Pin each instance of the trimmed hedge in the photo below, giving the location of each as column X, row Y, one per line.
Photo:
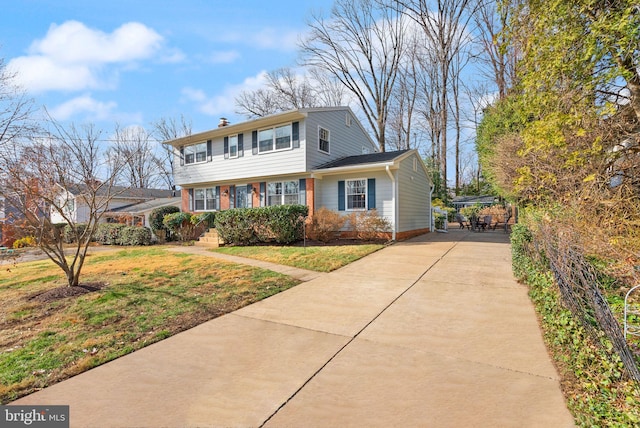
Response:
column 109, row 233
column 282, row 224
column 156, row 221
column 135, row 235
column 69, row 235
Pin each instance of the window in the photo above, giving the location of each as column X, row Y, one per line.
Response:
column 70, row 205
column 206, row 199
column 195, row 153
column 283, row 193
column 233, row 146
column 323, row 140
column 278, row 138
column 356, row 192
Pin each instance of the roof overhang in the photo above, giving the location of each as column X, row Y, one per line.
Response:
column 392, row 164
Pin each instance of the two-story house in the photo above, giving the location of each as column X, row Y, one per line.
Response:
column 320, row 157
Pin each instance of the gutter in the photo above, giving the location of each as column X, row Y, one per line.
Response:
column 393, row 199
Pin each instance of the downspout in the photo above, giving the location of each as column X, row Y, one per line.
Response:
column 394, row 202
column 431, row 222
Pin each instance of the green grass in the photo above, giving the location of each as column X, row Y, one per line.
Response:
column 149, row 294
column 319, row 259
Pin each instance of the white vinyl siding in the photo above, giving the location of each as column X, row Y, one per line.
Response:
column 413, row 197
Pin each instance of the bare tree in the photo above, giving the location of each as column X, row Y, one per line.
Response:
column 47, row 177
column 445, row 28
column 15, row 108
column 497, row 54
column 360, row 44
column 286, row 90
column 134, row 149
column 405, row 98
column 165, row 129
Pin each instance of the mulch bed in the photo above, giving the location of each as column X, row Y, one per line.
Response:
column 66, row 291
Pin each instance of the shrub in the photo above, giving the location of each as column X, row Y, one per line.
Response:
column 70, row 234
column 325, row 224
column 109, row 233
column 208, row 218
column 135, row 235
column 179, row 225
column 368, row 225
column 27, row 241
column 156, row 221
column 245, row 226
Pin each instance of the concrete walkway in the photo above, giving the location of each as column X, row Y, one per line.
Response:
column 431, row 332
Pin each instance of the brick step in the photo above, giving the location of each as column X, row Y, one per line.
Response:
column 209, row 239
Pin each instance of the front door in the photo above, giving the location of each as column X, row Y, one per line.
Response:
column 242, row 197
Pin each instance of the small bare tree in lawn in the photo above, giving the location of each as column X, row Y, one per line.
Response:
column 45, row 175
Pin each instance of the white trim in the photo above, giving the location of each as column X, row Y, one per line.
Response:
column 346, row 194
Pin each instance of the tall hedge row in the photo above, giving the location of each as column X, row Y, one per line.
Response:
column 282, row 224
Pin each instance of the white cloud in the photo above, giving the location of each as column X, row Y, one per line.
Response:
column 93, row 110
column 72, row 56
column 222, row 104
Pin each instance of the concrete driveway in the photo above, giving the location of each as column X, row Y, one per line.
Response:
column 431, row 332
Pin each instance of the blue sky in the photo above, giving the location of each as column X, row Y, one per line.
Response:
column 133, row 62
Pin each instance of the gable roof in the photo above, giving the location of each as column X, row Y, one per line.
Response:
column 371, row 158
column 263, row 122
column 123, row 192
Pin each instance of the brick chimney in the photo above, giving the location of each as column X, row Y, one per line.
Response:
column 223, row 122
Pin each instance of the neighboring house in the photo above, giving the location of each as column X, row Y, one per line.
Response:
column 468, row 201
column 138, row 214
column 319, row 157
column 77, row 207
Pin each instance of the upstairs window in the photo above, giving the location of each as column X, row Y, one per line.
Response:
column 278, row 138
column 323, row 140
column 233, row 146
column 195, row 153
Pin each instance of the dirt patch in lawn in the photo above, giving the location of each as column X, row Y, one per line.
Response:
column 66, row 291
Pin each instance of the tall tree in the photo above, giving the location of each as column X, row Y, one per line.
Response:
column 134, row 150
column 15, row 108
column 42, row 173
column 444, row 23
column 163, row 130
column 360, row 44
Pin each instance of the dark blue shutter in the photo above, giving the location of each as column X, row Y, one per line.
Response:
column 263, row 196
column 341, row 193
column 182, row 156
column 232, row 196
column 254, row 142
column 295, row 134
column 226, row 147
column 208, row 150
column 217, row 198
column 302, row 189
column 371, row 194
column 191, row 202
column 240, row 145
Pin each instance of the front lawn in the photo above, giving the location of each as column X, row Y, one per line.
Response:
column 316, row 258
column 141, row 296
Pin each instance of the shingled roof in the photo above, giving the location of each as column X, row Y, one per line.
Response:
column 363, row 159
